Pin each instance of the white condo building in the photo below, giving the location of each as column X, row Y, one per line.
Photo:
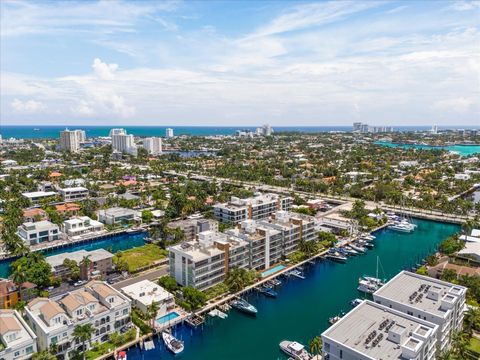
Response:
column 205, row 262
column 261, row 206
column 37, row 232
column 124, row 143
column 372, row 331
column 426, row 298
column 153, row 145
column 18, row 340
column 81, row 225
column 69, row 140
column 169, row 133
column 73, row 193
column 97, row 303
column 117, row 132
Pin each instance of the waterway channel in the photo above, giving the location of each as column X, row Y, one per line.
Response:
column 303, row 307
column 111, row 243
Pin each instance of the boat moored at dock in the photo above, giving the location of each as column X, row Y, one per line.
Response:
column 173, row 344
column 244, row 306
column 295, row 350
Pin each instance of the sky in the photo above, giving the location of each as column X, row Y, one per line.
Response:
column 228, row 63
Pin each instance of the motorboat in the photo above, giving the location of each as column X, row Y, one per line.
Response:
column 358, row 248
column 172, row 343
column 244, row 306
column 356, row 302
column 334, row 319
column 350, row 251
column 294, row 349
column 122, row 355
column 368, row 237
column 367, row 287
column 267, row 291
column 373, row 280
column 403, row 226
column 335, row 256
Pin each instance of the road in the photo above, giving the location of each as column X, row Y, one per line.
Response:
column 150, row 275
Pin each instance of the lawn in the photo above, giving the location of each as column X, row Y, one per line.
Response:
column 474, row 345
column 134, row 259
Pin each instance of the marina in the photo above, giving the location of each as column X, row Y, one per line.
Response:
column 307, row 302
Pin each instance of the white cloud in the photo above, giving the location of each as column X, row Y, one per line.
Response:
column 27, row 106
column 466, row 5
column 459, row 105
column 103, row 70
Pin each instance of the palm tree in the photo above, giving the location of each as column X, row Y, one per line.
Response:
column 316, row 345
column 85, row 267
column 152, row 311
column 83, row 333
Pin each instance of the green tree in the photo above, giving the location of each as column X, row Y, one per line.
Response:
column 32, row 268
column 83, row 333
column 315, row 345
column 168, row 283
column 449, row 275
column 193, row 297
column 147, row 216
column 238, row 278
column 152, row 311
column 43, row 355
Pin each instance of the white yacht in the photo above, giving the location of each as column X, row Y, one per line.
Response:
column 295, row 350
column 172, row 343
column 403, row 226
column 367, row 286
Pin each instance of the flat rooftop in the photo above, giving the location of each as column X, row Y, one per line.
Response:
column 77, row 256
column 403, row 286
column 361, row 322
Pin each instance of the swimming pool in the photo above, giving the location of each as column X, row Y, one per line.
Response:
column 272, row 270
column 167, row 318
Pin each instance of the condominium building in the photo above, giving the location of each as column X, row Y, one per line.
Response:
column 36, row 196
column 118, row 215
column 37, row 232
column 117, row 132
column 18, row 341
column 73, row 193
column 265, row 244
column 426, row 298
column 69, row 140
column 97, row 303
column 168, row 132
column 146, row 292
column 192, row 227
column 373, row 331
column 153, row 145
column 294, row 228
column 101, row 262
column 81, row 225
column 205, row 262
column 124, row 143
column 260, row 206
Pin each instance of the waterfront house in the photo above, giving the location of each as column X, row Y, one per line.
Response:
column 36, row 196
column 191, row 227
column 11, row 293
column 73, row 193
column 81, row 225
column 97, row 303
column 205, row 262
column 426, row 298
column 101, row 262
column 373, row 331
column 261, row 206
column 68, row 209
column 146, row 292
column 118, row 215
column 18, row 341
column 37, row 232
column 34, row 214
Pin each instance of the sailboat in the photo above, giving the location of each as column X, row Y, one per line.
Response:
column 370, row 284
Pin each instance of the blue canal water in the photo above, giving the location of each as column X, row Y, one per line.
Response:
column 42, row 131
column 462, row 150
column 303, row 307
column 112, row 244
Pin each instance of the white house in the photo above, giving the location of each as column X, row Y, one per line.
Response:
column 38, row 232
column 19, row 341
column 81, row 225
column 74, row 193
column 146, row 292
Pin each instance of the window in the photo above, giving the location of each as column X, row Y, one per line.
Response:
column 54, row 340
column 29, row 350
column 125, row 311
column 17, row 354
column 341, row 354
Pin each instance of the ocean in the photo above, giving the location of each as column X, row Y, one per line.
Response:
column 45, row 132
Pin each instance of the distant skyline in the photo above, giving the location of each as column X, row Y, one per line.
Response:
column 234, row 63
